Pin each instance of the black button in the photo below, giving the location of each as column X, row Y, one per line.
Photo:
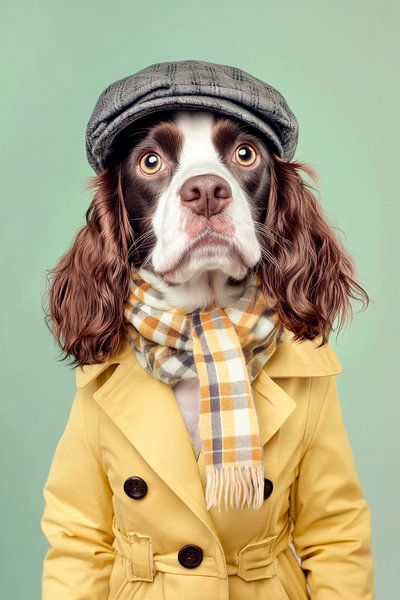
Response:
column 190, row 556
column 135, row 487
column 268, row 487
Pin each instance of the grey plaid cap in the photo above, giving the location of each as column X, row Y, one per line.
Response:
column 192, row 84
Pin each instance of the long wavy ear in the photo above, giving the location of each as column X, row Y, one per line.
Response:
column 90, row 282
column 304, row 265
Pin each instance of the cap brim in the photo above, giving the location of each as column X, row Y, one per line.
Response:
column 99, row 155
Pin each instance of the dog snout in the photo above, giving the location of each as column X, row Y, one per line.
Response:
column 206, row 194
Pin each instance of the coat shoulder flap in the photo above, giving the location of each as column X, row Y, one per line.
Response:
column 87, row 373
column 303, row 359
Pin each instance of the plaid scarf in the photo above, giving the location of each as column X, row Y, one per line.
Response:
column 225, row 348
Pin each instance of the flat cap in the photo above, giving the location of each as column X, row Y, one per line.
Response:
column 195, row 84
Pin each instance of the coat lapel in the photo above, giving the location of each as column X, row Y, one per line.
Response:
column 146, row 411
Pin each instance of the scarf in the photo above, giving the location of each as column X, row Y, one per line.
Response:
column 225, row 348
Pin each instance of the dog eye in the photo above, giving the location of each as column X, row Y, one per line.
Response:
column 150, row 163
column 245, row 155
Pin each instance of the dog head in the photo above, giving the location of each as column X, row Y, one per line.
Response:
column 200, row 200
column 194, row 188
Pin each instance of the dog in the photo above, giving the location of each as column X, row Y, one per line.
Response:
column 200, row 200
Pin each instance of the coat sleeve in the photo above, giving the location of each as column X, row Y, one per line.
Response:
column 77, row 517
column 332, row 522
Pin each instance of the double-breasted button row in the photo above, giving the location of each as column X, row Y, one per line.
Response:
column 135, row 487
column 190, row 555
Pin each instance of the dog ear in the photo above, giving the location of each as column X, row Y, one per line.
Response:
column 91, row 281
column 308, row 271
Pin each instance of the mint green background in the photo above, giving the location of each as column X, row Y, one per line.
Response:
column 337, row 65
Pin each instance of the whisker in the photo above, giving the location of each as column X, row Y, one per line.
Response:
column 143, row 236
column 145, row 245
column 139, row 242
column 270, row 257
column 146, row 261
column 271, row 233
column 270, row 236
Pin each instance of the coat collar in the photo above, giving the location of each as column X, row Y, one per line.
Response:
column 144, row 409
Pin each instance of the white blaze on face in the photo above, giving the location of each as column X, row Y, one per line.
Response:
column 174, row 223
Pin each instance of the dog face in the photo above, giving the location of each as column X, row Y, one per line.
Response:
column 194, row 187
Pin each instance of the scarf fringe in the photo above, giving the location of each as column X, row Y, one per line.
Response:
column 246, row 481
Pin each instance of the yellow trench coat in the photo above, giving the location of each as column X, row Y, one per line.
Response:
column 106, row 544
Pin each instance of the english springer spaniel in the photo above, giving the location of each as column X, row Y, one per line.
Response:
column 200, row 200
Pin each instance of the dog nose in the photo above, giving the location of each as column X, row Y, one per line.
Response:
column 206, row 194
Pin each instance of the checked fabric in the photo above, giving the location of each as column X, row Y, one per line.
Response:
column 225, row 348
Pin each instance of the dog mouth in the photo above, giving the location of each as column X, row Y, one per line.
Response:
column 207, row 245
column 209, row 239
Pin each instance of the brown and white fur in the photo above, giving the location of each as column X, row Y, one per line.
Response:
column 200, row 225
